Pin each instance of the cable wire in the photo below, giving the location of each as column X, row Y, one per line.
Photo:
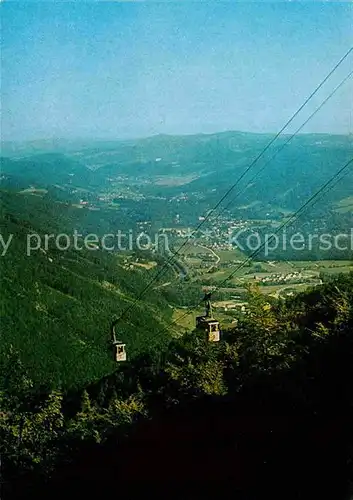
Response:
column 295, row 216
column 161, row 272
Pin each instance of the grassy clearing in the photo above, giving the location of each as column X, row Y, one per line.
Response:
column 345, row 205
column 322, row 264
column 145, row 265
column 191, row 249
column 193, row 261
column 278, row 267
column 185, row 318
column 33, row 191
column 274, row 289
column 230, row 255
column 338, row 270
column 175, row 181
column 237, row 283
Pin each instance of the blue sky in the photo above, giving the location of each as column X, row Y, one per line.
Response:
column 110, row 69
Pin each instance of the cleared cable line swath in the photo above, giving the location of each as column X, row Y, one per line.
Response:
column 328, row 186
column 163, row 270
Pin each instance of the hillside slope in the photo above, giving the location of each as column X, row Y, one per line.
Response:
column 56, row 306
column 266, row 412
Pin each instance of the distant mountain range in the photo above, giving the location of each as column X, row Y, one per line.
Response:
column 208, row 163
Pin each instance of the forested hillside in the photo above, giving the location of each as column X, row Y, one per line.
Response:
column 57, row 306
column 265, row 411
column 167, row 166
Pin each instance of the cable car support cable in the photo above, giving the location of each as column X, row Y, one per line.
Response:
column 165, row 267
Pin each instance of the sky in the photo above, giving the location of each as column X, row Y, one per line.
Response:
column 116, row 70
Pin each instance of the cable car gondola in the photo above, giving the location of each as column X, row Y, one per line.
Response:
column 207, row 323
column 118, row 346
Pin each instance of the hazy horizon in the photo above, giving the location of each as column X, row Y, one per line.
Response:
column 142, row 137
column 118, row 71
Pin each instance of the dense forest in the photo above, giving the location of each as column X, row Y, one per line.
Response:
column 267, row 411
column 56, row 306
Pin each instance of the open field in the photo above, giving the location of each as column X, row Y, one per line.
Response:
column 345, row 205
column 185, row 318
column 278, row 266
column 326, row 266
column 191, row 249
column 170, row 181
column 193, row 261
column 33, row 190
column 321, row 263
column 338, row 270
column 310, row 270
column 145, row 265
column 276, row 289
column 230, row 255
